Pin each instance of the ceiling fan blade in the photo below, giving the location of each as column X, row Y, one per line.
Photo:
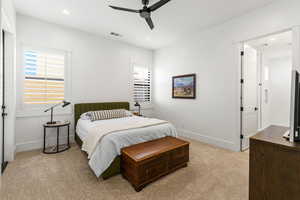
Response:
column 125, row 9
column 150, row 22
column 158, row 5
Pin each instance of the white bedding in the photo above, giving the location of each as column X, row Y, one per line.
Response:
column 110, row 145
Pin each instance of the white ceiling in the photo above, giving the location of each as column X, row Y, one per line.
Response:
column 174, row 20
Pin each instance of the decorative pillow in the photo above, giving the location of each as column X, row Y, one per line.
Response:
column 108, row 114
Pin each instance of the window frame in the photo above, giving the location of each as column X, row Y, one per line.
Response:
column 27, row 110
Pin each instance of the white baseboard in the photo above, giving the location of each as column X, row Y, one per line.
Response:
column 209, row 140
column 10, row 153
column 33, row 145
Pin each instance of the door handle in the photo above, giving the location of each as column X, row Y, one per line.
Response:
column 256, row 109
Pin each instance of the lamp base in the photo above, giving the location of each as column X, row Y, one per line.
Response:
column 54, row 122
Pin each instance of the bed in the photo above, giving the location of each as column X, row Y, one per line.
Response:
column 105, row 161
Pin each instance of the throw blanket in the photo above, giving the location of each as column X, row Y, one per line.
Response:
column 98, row 132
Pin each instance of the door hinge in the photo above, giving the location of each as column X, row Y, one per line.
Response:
column 242, row 136
column 242, row 109
column 4, row 114
column 242, row 81
column 242, row 53
column 3, row 107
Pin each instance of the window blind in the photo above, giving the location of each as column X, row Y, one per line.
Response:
column 44, row 77
column 142, row 84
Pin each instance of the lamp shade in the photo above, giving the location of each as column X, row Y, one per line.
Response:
column 65, row 103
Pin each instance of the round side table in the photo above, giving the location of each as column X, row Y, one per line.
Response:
column 58, row 148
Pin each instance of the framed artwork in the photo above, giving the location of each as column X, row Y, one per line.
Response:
column 184, row 86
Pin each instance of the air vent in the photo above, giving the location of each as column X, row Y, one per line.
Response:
column 115, row 34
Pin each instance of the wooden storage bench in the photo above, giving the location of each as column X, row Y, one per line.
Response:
column 144, row 163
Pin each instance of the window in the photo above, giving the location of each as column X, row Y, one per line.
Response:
column 44, row 81
column 142, row 84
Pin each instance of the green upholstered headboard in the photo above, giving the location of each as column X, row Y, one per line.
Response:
column 85, row 107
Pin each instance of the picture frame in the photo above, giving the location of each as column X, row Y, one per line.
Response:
column 184, row 86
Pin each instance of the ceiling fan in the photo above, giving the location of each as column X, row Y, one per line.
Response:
column 145, row 12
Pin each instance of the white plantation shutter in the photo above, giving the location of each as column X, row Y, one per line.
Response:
column 142, row 84
column 44, row 81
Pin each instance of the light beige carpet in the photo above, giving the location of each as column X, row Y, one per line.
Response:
column 212, row 174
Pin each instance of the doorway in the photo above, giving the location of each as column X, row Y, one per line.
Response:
column 265, row 84
column 7, row 99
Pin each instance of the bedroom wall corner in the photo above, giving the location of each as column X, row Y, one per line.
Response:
column 101, row 71
column 212, row 54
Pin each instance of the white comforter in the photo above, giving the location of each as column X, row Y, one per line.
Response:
column 110, row 145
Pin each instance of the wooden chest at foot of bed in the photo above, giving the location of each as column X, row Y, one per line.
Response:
column 144, row 163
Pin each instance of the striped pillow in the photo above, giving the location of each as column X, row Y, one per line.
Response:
column 107, row 114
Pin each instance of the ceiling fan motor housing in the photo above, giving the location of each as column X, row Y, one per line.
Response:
column 145, row 14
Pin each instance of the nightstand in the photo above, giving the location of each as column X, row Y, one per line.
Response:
column 58, row 148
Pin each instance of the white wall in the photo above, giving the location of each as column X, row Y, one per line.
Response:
column 212, row 54
column 9, row 12
column 101, row 70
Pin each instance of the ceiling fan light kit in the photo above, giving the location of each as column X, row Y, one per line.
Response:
column 146, row 11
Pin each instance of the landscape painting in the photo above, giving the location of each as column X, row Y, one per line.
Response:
column 184, row 86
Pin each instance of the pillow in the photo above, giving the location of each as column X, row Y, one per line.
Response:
column 108, row 114
column 85, row 116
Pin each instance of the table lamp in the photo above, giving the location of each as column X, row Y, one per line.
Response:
column 63, row 104
column 138, row 105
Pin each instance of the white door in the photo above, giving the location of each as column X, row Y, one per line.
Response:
column 249, row 96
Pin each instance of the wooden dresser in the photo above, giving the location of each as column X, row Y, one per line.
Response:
column 274, row 166
column 144, row 163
